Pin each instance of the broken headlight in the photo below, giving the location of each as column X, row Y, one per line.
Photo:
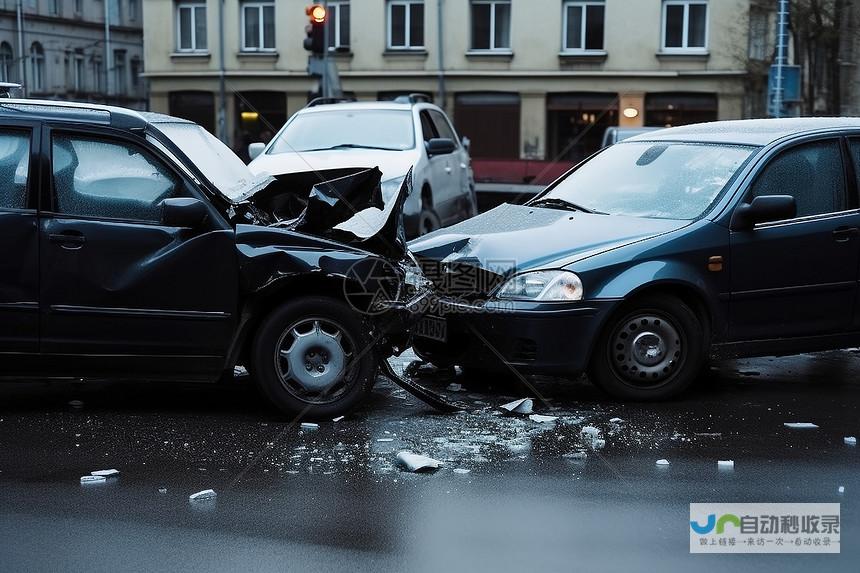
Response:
column 542, row 286
column 390, row 188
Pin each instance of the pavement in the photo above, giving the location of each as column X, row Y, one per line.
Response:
column 333, row 499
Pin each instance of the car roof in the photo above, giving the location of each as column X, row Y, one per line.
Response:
column 49, row 110
column 364, row 105
column 758, row 132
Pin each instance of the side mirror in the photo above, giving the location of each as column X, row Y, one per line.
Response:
column 183, row 212
column 763, row 209
column 440, row 146
column 255, row 150
column 467, row 143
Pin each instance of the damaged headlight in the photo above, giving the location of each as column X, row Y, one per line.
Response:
column 390, row 188
column 542, row 286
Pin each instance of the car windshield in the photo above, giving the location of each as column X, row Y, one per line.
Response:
column 390, row 130
column 648, row 179
column 215, row 160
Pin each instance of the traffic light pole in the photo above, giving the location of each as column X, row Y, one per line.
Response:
column 325, row 87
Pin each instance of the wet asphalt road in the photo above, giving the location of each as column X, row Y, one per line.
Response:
column 332, row 499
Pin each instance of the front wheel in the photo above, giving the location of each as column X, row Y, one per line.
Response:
column 313, row 358
column 652, row 349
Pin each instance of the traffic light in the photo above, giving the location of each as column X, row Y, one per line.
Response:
column 315, row 40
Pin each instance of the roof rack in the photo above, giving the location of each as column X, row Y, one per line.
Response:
column 414, row 98
column 329, row 100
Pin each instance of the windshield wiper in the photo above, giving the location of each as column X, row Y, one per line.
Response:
column 353, row 146
column 555, row 203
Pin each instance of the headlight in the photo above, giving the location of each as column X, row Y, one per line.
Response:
column 542, row 286
column 390, row 188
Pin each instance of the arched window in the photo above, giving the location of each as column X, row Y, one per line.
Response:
column 7, row 63
column 37, row 67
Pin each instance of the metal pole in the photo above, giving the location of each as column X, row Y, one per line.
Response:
column 108, row 76
column 440, row 47
column 324, row 80
column 22, row 60
column 781, row 57
column 222, row 85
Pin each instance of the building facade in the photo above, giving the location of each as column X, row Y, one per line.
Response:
column 536, row 80
column 61, row 49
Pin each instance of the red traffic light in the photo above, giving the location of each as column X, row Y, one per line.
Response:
column 316, row 12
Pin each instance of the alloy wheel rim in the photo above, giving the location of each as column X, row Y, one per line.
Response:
column 646, row 350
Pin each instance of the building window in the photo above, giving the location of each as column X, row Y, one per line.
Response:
column 98, row 74
column 491, row 121
column 79, row 6
column 136, row 69
column 576, row 123
column 78, row 72
column 7, row 63
column 132, row 10
column 196, row 106
column 56, row 7
column 759, row 35
column 583, row 22
column 191, row 27
column 258, row 26
column 491, row 25
column 681, row 108
column 37, row 67
column 338, row 24
column 119, row 71
column 406, row 24
column 685, row 25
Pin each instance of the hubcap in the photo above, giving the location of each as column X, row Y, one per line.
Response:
column 646, row 350
column 312, row 359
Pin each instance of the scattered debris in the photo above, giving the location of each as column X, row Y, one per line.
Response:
column 850, row 440
column 590, row 431
column 577, row 455
column 726, row 464
column 93, row 479
column 162, row 490
column 338, row 419
column 591, row 436
column 105, row 473
column 455, row 387
column 461, row 471
column 662, row 462
column 708, row 434
column 521, row 406
column 541, row 418
column 800, row 425
column 841, row 489
column 204, row 495
column 310, row 426
column 416, row 462
column 615, row 420
column 385, row 440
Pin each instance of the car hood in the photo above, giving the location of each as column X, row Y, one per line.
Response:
column 391, row 163
column 516, row 238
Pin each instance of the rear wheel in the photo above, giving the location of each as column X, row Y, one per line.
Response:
column 652, row 349
column 428, row 221
column 313, row 358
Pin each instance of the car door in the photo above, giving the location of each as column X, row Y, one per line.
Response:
column 456, row 168
column 799, row 277
column 19, row 239
column 115, row 281
column 441, row 173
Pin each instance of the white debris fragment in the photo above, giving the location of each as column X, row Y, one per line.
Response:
column 105, row 473
column 309, row 426
column 461, row 471
column 204, row 495
column 539, row 418
column 662, row 462
column 162, row 490
column 578, row 455
column 521, row 406
column 455, row 387
column 726, row 464
column 93, row 479
column 616, row 420
column 416, row 462
column 841, row 489
column 850, row 440
column 800, row 425
column 590, row 431
column 385, row 440
column 338, row 419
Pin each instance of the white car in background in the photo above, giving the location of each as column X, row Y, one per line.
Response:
column 328, row 140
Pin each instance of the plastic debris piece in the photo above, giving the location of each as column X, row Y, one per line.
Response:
column 93, row 479
column 616, row 420
column 416, row 462
column 162, row 490
column 726, row 464
column 385, row 440
column 521, row 406
column 105, row 473
column 841, row 489
column 309, row 426
column 204, row 495
column 455, row 387
column 800, row 425
column 461, row 471
column 541, row 418
column 338, row 419
column 578, row 455
column 662, row 462
column 590, row 431
column 850, row 440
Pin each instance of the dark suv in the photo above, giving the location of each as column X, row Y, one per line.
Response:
column 137, row 245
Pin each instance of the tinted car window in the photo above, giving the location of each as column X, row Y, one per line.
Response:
column 14, row 167
column 427, row 128
column 443, row 128
column 812, row 173
column 96, row 178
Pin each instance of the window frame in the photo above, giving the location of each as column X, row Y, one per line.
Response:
column 334, row 22
column 7, row 67
column 194, row 8
column 565, row 49
column 493, row 48
column 38, row 68
column 260, row 6
column 31, row 192
column 408, row 45
column 685, row 47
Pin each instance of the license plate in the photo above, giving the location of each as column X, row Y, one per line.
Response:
column 433, row 328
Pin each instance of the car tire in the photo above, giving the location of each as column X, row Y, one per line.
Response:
column 428, row 221
column 652, row 349
column 312, row 358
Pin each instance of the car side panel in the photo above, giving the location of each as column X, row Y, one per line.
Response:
column 19, row 282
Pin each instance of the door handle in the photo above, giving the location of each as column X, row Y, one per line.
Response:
column 448, row 169
column 68, row 239
column 843, row 234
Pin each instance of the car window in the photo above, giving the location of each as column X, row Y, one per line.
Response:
column 812, row 173
column 854, row 147
column 14, row 168
column 114, row 180
column 427, row 127
column 344, row 128
column 443, row 128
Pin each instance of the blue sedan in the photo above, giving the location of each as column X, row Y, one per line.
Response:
column 720, row 240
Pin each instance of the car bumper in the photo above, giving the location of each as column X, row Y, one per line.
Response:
column 539, row 338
